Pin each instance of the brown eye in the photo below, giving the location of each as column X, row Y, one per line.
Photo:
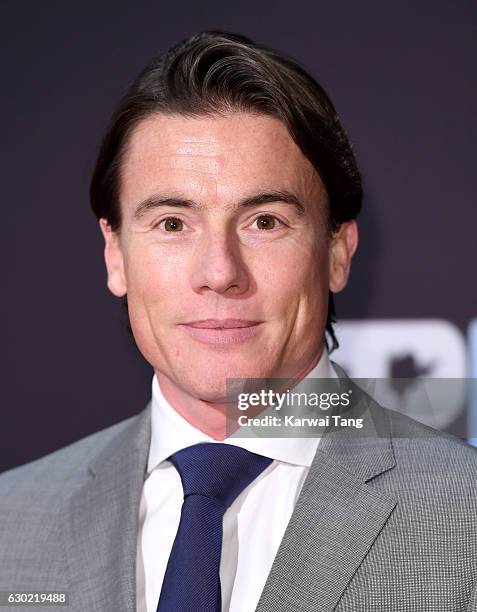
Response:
column 266, row 222
column 172, row 224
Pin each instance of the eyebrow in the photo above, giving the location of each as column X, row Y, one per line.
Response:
column 153, row 202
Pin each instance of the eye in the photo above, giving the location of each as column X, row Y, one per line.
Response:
column 266, row 222
column 171, row 224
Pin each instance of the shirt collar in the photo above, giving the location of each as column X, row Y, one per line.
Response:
column 170, row 432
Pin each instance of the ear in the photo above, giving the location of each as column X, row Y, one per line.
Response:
column 113, row 257
column 343, row 244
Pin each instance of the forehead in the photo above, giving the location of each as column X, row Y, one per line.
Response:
column 214, row 159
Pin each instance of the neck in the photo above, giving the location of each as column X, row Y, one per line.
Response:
column 216, row 420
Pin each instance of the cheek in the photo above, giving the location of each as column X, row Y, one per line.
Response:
column 294, row 279
column 153, row 275
column 156, row 298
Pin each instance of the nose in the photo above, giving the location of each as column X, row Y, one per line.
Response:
column 218, row 265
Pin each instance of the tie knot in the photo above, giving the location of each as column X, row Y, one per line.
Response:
column 217, row 470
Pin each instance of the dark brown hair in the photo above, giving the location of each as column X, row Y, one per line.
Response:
column 216, row 72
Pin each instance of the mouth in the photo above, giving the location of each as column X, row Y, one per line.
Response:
column 222, row 331
column 221, row 323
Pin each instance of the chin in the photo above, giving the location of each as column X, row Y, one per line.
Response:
column 212, row 385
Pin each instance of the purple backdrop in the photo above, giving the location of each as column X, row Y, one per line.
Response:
column 402, row 76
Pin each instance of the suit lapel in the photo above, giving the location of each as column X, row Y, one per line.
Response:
column 102, row 523
column 336, row 519
column 335, row 522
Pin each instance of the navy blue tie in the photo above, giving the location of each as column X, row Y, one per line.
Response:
column 213, row 475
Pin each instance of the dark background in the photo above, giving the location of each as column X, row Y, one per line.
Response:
column 402, row 76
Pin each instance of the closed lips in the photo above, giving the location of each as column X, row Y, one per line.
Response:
column 224, row 324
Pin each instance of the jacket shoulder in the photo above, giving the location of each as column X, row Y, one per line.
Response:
column 34, row 500
column 432, row 466
column 429, row 443
column 60, row 470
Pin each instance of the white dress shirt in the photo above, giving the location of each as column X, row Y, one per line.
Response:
column 253, row 525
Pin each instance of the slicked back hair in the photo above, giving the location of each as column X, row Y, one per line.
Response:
column 215, row 73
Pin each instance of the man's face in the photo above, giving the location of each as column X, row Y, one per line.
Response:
column 223, row 218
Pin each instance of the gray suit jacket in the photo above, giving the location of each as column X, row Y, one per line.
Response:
column 383, row 523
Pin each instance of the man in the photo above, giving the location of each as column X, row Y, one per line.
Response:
column 226, row 192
